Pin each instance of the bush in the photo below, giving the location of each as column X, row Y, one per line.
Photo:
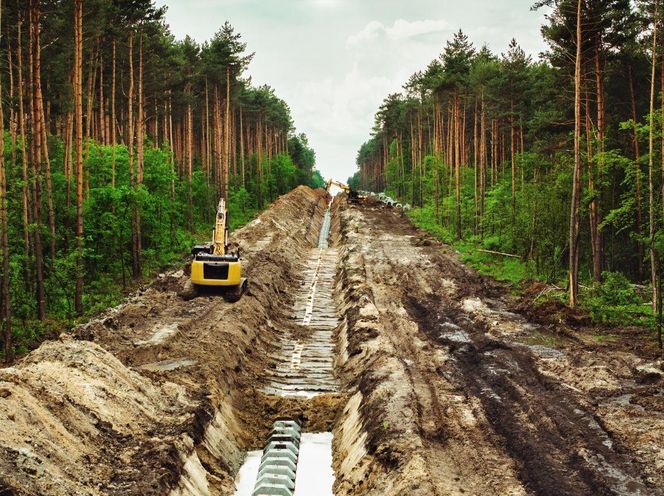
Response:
column 616, row 290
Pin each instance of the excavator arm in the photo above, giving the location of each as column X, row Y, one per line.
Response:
column 220, row 234
column 331, row 182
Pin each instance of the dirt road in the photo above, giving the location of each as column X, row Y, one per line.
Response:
column 454, row 400
column 430, row 384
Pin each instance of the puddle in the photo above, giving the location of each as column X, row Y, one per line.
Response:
column 454, row 333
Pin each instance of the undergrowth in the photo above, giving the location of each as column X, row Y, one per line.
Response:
column 615, row 302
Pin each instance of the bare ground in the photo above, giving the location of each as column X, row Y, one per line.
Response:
column 455, row 401
column 449, row 385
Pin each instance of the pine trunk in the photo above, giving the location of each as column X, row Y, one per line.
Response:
column 574, row 226
column 5, row 300
column 78, row 110
column 651, row 164
column 33, row 10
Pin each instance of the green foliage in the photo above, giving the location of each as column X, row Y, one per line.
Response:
column 170, row 225
column 616, row 302
column 616, row 290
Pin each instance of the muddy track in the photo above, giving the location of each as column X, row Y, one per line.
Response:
column 358, row 324
column 479, row 406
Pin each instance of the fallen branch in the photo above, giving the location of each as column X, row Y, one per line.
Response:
column 498, row 253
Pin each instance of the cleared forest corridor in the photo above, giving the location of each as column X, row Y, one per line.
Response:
column 406, row 372
column 186, row 308
column 291, row 462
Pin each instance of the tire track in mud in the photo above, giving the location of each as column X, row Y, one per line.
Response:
column 556, row 443
column 422, row 436
column 560, row 447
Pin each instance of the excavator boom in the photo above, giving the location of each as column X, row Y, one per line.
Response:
column 220, row 232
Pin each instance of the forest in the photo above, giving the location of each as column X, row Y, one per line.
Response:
column 116, row 141
column 546, row 169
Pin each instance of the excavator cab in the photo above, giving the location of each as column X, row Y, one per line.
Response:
column 214, row 266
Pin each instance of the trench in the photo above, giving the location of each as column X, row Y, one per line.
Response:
column 294, row 461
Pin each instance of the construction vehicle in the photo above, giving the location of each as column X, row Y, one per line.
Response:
column 215, row 266
column 353, row 196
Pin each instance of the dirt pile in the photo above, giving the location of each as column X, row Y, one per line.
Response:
column 71, row 412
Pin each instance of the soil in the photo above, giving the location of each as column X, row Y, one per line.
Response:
column 457, row 399
column 447, row 384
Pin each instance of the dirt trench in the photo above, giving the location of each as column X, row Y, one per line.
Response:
column 429, row 383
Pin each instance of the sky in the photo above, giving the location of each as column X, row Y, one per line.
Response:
column 334, row 61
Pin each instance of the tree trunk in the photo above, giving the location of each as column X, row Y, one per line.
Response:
column 133, row 174
column 242, row 151
column 36, row 165
column 24, row 152
column 475, row 169
column 637, row 175
column 457, row 163
column 651, row 163
column 113, row 124
column 41, row 126
column 78, row 111
column 576, row 184
column 482, row 164
column 512, row 163
column 227, row 133
column 5, row 300
column 190, row 151
column 593, row 207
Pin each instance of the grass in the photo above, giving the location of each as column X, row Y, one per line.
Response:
column 613, row 303
column 539, row 339
column 509, row 269
column 512, row 270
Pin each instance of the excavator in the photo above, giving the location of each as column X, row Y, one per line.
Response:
column 214, row 265
column 353, row 196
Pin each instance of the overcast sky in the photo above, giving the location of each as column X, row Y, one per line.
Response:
column 334, row 61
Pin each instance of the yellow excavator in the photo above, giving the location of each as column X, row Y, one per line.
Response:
column 353, row 196
column 215, row 266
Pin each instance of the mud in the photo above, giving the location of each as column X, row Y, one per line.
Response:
column 432, row 379
column 455, row 398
